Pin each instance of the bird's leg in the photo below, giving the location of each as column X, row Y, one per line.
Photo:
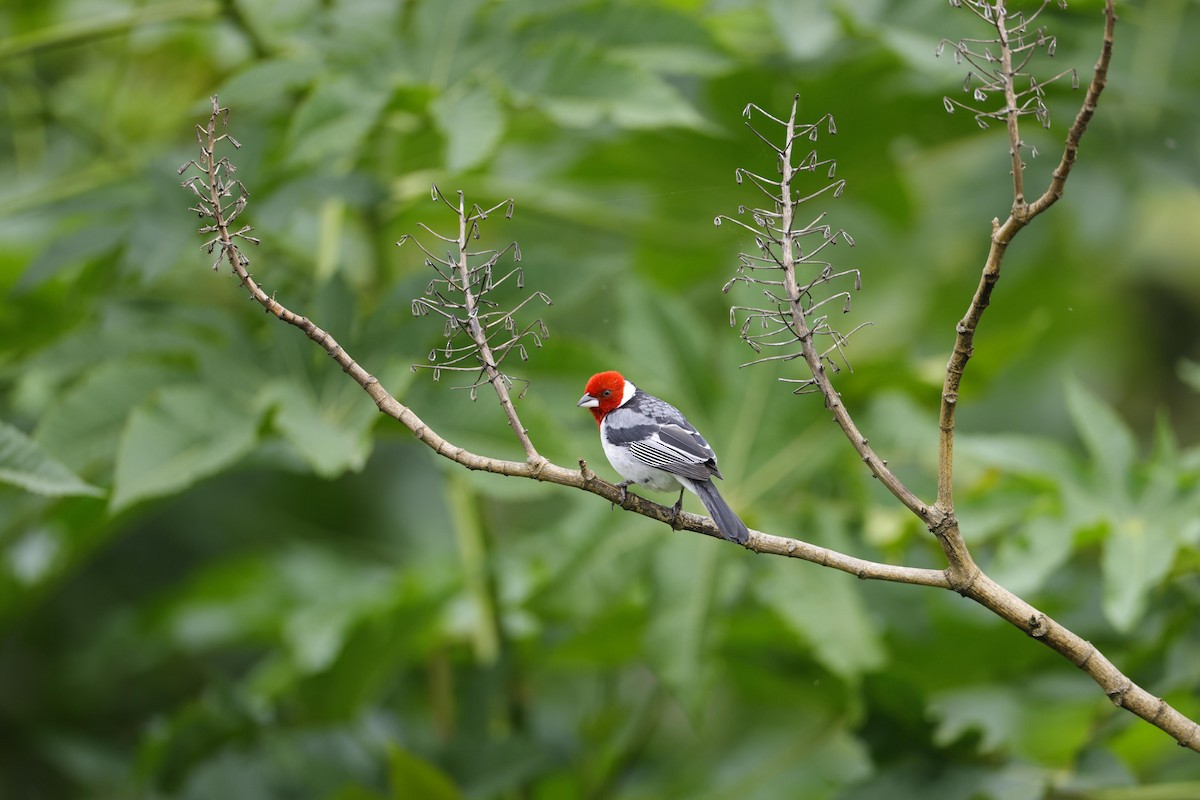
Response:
column 676, row 510
column 624, row 487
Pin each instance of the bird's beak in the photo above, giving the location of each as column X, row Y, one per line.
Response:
column 587, row 401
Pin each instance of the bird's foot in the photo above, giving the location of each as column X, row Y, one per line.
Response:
column 676, row 510
column 624, row 487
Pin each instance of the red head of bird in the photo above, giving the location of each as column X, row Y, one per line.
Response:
column 604, row 392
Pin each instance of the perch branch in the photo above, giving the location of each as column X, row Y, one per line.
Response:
column 217, row 198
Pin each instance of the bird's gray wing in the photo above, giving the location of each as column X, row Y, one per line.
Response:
column 674, row 449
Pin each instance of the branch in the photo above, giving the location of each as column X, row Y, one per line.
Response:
column 222, row 199
column 1122, row 691
column 1012, row 108
column 1002, row 235
column 791, row 320
column 469, row 277
column 804, row 333
column 219, row 201
column 1099, row 80
column 778, row 237
column 966, row 578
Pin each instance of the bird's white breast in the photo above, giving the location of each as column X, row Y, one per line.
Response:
column 631, row 469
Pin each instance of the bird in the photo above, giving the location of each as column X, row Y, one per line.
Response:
column 650, row 443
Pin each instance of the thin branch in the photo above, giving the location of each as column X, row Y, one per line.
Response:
column 1012, row 110
column 479, row 335
column 804, row 333
column 1099, row 80
column 1002, row 235
column 460, row 295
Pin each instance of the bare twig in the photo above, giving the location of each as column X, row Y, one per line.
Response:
column 999, row 66
column 461, row 295
column 1099, row 80
column 790, row 320
column 1002, row 235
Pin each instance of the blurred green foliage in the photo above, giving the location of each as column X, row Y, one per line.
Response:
column 223, row 573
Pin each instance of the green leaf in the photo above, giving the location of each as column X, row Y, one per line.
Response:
column 85, row 425
column 71, row 250
column 267, row 82
column 824, row 609
column 180, row 436
column 1027, row 558
column 333, row 120
column 650, row 35
column 442, row 41
column 411, row 777
column 806, row 30
column 354, row 792
column 1189, row 373
column 317, row 629
column 471, row 121
column 1048, row 720
column 677, row 637
column 332, row 438
column 1137, row 554
column 1107, row 438
column 580, row 85
column 227, row 603
column 1016, row 454
column 24, row 463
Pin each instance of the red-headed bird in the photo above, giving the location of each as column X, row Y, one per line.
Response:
column 649, row 442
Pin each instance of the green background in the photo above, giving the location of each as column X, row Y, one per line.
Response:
column 223, row 573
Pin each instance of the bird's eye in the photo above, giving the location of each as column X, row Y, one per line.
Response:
column 606, row 393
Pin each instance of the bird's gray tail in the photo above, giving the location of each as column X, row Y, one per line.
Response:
column 732, row 527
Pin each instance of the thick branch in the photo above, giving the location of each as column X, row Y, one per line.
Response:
column 1122, row 691
column 980, row 588
column 964, row 575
